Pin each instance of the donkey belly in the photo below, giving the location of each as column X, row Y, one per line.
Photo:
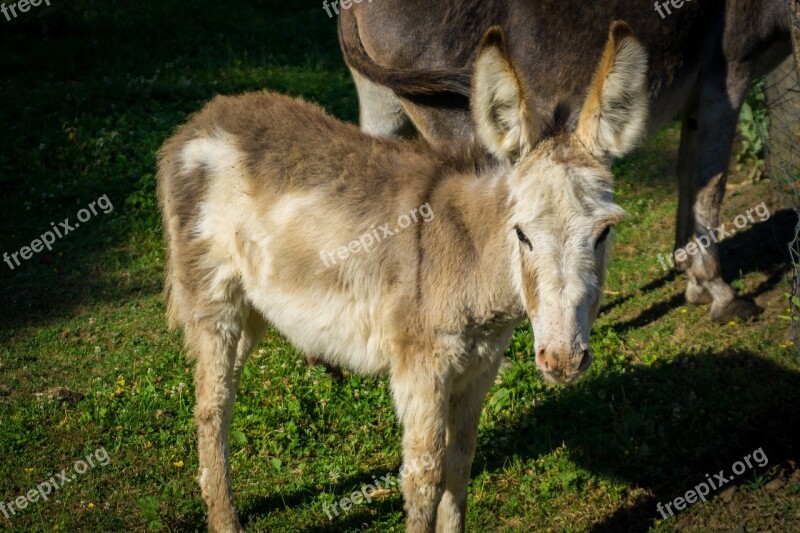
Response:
column 315, row 304
column 329, row 325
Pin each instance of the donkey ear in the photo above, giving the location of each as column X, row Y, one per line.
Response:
column 614, row 116
column 505, row 125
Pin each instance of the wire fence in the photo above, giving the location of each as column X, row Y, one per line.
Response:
column 781, row 139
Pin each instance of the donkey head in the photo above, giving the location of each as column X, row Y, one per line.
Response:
column 560, row 186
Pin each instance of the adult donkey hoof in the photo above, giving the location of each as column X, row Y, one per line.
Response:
column 736, row 308
column 697, row 294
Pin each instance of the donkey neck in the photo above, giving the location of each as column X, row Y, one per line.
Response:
column 468, row 250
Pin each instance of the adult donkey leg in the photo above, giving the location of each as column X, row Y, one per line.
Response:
column 462, row 433
column 687, row 170
column 381, row 113
column 703, row 172
column 213, row 342
column 420, row 394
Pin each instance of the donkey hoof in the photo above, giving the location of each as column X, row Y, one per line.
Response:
column 227, row 528
column 698, row 295
column 233, row 528
column 736, row 308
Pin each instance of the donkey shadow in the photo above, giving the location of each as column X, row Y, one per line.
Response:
column 659, row 428
column 662, row 428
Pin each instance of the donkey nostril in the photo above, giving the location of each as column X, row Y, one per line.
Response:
column 542, row 360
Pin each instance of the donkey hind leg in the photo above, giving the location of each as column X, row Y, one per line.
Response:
column 420, row 397
column 687, row 169
column 709, row 126
column 253, row 331
column 213, row 341
column 462, row 434
column 381, row 113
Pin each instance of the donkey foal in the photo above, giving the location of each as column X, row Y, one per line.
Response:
column 253, row 187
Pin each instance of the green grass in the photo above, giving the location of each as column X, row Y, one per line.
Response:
column 92, row 90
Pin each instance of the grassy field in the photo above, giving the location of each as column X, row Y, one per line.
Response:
column 91, row 89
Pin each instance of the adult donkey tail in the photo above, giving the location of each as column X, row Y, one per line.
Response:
column 404, row 83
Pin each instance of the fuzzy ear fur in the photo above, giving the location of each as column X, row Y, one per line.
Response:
column 504, row 122
column 614, row 117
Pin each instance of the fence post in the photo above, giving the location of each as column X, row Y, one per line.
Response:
column 794, row 10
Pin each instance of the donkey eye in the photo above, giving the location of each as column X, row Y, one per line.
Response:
column 523, row 238
column 603, row 236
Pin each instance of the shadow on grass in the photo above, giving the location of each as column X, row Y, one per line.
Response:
column 662, row 428
column 652, row 286
column 649, row 315
column 357, row 517
column 763, row 248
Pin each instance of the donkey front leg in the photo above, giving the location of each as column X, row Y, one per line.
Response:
column 215, row 393
column 466, row 405
column 420, row 396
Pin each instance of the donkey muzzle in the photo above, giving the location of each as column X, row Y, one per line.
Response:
column 563, row 366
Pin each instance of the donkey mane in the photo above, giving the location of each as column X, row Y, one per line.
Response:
column 467, row 157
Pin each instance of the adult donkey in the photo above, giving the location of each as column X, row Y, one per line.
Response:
column 255, row 189
column 411, row 61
